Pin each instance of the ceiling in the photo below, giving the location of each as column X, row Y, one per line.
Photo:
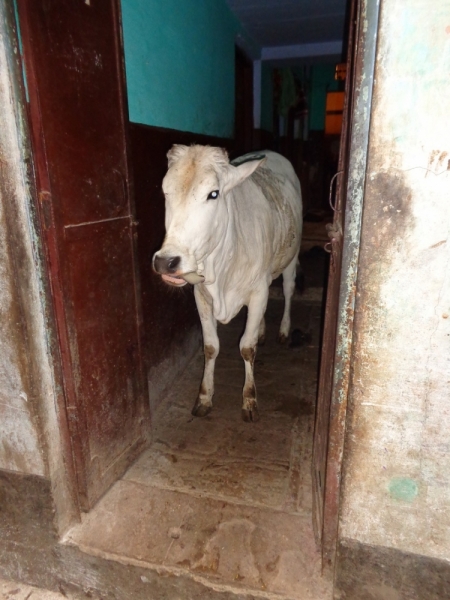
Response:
column 294, row 30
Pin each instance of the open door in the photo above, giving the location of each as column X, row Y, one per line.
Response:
column 74, row 67
column 326, row 497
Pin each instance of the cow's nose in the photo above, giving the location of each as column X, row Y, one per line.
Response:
column 166, row 264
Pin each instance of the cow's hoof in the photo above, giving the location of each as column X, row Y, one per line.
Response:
column 250, row 415
column 201, row 410
column 282, row 339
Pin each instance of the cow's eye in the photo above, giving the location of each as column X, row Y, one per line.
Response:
column 213, row 195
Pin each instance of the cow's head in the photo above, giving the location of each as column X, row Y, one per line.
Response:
column 195, row 186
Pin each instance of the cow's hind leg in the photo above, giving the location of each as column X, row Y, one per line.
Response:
column 248, row 343
column 203, row 300
column 288, row 291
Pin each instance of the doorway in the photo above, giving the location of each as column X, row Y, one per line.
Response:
column 73, row 237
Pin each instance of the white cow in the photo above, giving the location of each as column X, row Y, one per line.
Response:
column 231, row 228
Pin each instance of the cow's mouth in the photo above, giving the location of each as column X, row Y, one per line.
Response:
column 174, row 280
column 180, row 280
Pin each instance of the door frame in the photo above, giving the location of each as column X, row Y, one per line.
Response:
column 60, row 350
column 37, row 309
column 365, row 45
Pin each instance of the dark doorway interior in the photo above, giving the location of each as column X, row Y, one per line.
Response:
column 243, row 115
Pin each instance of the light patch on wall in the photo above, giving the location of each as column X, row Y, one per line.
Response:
column 403, row 488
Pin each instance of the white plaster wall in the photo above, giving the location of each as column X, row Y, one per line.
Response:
column 397, row 475
column 19, row 438
column 20, row 446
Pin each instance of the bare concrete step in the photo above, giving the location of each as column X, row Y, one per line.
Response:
column 224, row 546
column 13, row 590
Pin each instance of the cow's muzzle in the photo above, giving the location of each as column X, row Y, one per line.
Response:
column 168, row 268
column 166, row 264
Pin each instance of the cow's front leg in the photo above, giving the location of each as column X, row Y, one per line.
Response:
column 203, row 300
column 256, row 309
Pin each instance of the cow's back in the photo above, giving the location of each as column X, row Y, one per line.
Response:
column 263, row 235
column 279, row 185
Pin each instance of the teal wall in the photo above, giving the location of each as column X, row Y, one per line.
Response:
column 179, row 60
column 321, row 81
column 266, row 97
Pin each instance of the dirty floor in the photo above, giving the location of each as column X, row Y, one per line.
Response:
column 227, row 502
column 11, row 590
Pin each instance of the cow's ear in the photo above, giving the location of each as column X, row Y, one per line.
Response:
column 236, row 175
column 175, row 153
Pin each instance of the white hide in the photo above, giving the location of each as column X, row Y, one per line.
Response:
column 236, row 242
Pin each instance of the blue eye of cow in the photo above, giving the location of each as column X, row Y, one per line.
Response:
column 213, row 195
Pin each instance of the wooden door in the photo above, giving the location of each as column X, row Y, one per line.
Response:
column 74, row 66
column 325, row 492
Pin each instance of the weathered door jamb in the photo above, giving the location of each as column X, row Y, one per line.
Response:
column 38, row 312
column 365, row 42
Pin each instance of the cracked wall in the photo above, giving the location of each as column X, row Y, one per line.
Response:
column 397, row 471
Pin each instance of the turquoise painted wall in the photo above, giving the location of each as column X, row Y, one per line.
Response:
column 179, row 60
column 322, row 81
column 266, row 98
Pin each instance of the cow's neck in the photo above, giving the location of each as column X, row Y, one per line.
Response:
column 228, row 272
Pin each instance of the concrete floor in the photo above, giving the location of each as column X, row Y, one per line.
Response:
column 11, row 590
column 227, row 502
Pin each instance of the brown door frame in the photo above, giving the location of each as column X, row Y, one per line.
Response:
column 47, row 232
column 335, row 247
column 45, row 372
column 367, row 16
column 68, row 408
